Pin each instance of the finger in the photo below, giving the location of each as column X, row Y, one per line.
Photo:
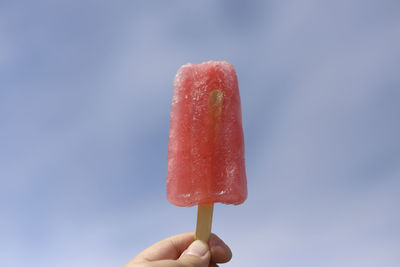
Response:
column 169, row 263
column 162, row 263
column 168, row 249
column 196, row 255
column 220, row 252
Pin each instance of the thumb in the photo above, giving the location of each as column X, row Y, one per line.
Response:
column 196, row 255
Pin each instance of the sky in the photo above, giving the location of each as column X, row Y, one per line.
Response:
column 85, row 94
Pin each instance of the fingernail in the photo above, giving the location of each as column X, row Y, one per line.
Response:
column 197, row 248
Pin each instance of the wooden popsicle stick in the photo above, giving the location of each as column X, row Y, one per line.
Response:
column 204, row 221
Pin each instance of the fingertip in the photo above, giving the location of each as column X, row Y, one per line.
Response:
column 220, row 252
column 197, row 248
column 197, row 254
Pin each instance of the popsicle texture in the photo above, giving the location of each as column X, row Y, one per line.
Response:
column 206, row 147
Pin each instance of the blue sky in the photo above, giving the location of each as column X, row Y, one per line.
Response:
column 85, row 92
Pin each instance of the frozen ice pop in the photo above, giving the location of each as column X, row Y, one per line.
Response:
column 206, row 147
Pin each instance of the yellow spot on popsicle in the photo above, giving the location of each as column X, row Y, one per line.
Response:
column 215, row 100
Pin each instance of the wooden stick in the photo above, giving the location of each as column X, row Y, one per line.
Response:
column 205, row 211
column 204, row 221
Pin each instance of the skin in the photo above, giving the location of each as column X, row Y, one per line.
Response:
column 175, row 252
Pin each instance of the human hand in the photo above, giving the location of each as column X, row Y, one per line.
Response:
column 183, row 251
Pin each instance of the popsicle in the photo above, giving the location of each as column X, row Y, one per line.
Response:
column 206, row 147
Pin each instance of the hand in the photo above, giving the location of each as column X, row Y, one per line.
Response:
column 183, row 251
